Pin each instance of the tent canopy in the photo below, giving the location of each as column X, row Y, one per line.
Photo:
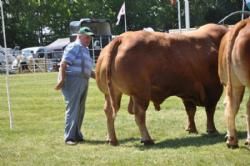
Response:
column 58, row 44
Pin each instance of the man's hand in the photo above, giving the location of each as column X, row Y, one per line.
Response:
column 61, row 75
column 59, row 85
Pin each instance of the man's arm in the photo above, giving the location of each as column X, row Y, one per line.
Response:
column 61, row 76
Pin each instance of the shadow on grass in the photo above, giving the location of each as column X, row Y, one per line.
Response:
column 99, row 142
column 197, row 141
column 190, row 140
column 94, row 142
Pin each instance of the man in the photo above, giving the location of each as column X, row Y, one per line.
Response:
column 74, row 73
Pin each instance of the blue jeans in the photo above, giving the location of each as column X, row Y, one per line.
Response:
column 74, row 90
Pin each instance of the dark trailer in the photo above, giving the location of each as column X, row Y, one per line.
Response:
column 102, row 30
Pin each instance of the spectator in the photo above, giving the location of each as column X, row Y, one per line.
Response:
column 76, row 67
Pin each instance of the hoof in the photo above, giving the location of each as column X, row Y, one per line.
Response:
column 232, row 142
column 191, row 131
column 157, row 107
column 232, row 146
column 247, row 142
column 147, row 142
column 113, row 143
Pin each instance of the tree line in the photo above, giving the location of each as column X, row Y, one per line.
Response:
column 26, row 20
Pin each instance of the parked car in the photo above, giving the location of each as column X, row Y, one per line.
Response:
column 35, row 52
column 9, row 55
column 10, row 58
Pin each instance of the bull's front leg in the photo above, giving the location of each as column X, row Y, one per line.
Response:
column 111, row 137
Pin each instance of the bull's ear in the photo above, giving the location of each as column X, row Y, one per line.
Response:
column 173, row 2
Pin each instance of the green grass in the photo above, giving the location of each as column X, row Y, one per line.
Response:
column 37, row 136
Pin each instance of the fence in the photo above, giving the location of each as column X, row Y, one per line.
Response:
column 23, row 81
column 36, row 65
column 26, row 72
column 17, row 64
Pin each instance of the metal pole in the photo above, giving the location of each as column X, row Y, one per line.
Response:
column 7, row 67
column 125, row 20
column 179, row 15
column 243, row 9
column 187, row 18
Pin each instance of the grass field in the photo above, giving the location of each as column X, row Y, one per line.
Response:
column 37, row 136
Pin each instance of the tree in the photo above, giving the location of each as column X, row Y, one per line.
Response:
column 26, row 19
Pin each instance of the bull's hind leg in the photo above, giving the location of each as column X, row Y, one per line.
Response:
column 248, row 123
column 190, row 110
column 139, row 109
column 111, row 137
column 231, row 110
column 211, row 129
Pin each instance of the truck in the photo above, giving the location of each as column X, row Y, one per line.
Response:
column 102, row 30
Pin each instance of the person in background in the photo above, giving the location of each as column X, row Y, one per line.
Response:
column 76, row 67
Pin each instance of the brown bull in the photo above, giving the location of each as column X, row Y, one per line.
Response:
column 234, row 73
column 151, row 66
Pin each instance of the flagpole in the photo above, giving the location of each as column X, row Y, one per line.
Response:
column 125, row 20
column 187, row 17
column 243, row 9
column 179, row 15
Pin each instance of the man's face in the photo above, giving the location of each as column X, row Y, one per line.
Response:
column 85, row 40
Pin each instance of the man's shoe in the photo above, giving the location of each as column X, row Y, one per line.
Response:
column 70, row 142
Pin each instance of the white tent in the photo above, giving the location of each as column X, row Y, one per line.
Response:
column 58, row 45
column 56, row 48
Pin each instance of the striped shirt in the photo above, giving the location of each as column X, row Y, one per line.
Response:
column 78, row 59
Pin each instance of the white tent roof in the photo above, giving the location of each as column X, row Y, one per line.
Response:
column 58, row 44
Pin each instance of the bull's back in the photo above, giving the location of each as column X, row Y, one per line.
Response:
column 214, row 32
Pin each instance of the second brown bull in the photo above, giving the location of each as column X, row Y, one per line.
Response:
column 234, row 73
column 151, row 66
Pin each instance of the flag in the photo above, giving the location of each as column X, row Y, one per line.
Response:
column 248, row 4
column 121, row 12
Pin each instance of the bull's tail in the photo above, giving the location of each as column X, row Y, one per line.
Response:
column 113, row 49
column 233, row 36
